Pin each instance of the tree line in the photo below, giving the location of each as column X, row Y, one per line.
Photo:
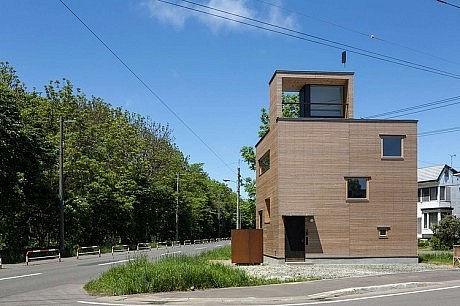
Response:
column 120, row 175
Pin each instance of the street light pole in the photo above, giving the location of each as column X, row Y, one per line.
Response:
column 238, row 185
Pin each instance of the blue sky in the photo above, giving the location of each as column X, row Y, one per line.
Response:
column 213, row 73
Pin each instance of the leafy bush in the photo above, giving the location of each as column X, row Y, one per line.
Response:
column 437, row 244
column 423, row 243
column 446, row 233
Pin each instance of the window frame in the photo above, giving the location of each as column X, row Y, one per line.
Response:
column 382, row 147
column 383, row 231
column 267, row 211
column 363, row 199
column 264, row 163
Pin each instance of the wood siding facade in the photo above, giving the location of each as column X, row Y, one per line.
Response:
column 310, row 161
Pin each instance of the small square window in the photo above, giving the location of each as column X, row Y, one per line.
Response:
column 392, row 146
column 383, row 231
column 357, row 188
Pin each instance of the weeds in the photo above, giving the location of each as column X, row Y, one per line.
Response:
column 173, row 274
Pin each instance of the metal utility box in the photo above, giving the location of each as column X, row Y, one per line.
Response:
column 247, row 246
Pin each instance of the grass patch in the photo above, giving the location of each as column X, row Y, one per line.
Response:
column 436, row 258
column 173, row 274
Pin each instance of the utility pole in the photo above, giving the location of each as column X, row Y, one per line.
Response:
column 238, row 217
column 61, row 183
column 177, row 206
column 238, row 187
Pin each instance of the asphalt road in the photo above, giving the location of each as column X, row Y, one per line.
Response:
column 52, row 283
column 49, row 282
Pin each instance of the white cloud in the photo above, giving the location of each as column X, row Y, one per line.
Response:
column 177, row 16
column 277, row 18
column 237, row 7
column 167, row 13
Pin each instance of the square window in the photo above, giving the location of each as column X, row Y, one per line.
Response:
column 357, row 188
column 383, row 231
column 392, row 146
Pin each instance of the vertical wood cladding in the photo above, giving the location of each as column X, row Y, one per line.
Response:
column 309, row 161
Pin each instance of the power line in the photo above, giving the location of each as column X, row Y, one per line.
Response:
column 414, row 109
column 136, row 76
column 447, row 3
column 440, row 131
column 368, row 35
column 312, row 38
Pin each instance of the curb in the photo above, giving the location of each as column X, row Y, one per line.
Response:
column 368, row 289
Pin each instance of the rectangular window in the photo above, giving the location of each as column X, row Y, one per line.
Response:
column 425, row 194
column 433, row 193
column 264, row 163
column 419, row 225
column 267, row 211
column 383, row 231
column 445, row 214
column 357, row 188
column 442, row 193
column 260, row 218
column 429, row 194
column 425, row 220
column 324, row 101
column 392, row 146
column 433, row 219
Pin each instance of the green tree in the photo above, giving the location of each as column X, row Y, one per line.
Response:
column 119, row 174
column 447, row 232
column 26, row 157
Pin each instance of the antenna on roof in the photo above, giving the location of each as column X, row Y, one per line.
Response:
column 451, row 158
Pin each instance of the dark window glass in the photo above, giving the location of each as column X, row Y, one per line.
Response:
column 264, row 163
column 442, row 193
column 357, row 188
column 322, row 101
column 326, row 101
column 433, row 193
column 392, row 146
column 425, row 194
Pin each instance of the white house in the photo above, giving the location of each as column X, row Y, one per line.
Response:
column 438, row 196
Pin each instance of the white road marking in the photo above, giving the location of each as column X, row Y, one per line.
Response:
column 19, row 276
column 114, row 262
column 108, row 304
column 370, row 297
column 201, row 248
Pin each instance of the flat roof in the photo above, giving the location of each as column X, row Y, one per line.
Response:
column 299, row 72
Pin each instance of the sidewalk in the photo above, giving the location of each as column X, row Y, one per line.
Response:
column 294, row 292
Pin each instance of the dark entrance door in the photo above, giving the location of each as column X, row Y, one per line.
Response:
column 294, row 240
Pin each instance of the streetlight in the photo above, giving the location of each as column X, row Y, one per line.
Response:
column 238, row 183
column 61, row 181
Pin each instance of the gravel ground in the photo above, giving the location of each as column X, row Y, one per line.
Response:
column 328, row 271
